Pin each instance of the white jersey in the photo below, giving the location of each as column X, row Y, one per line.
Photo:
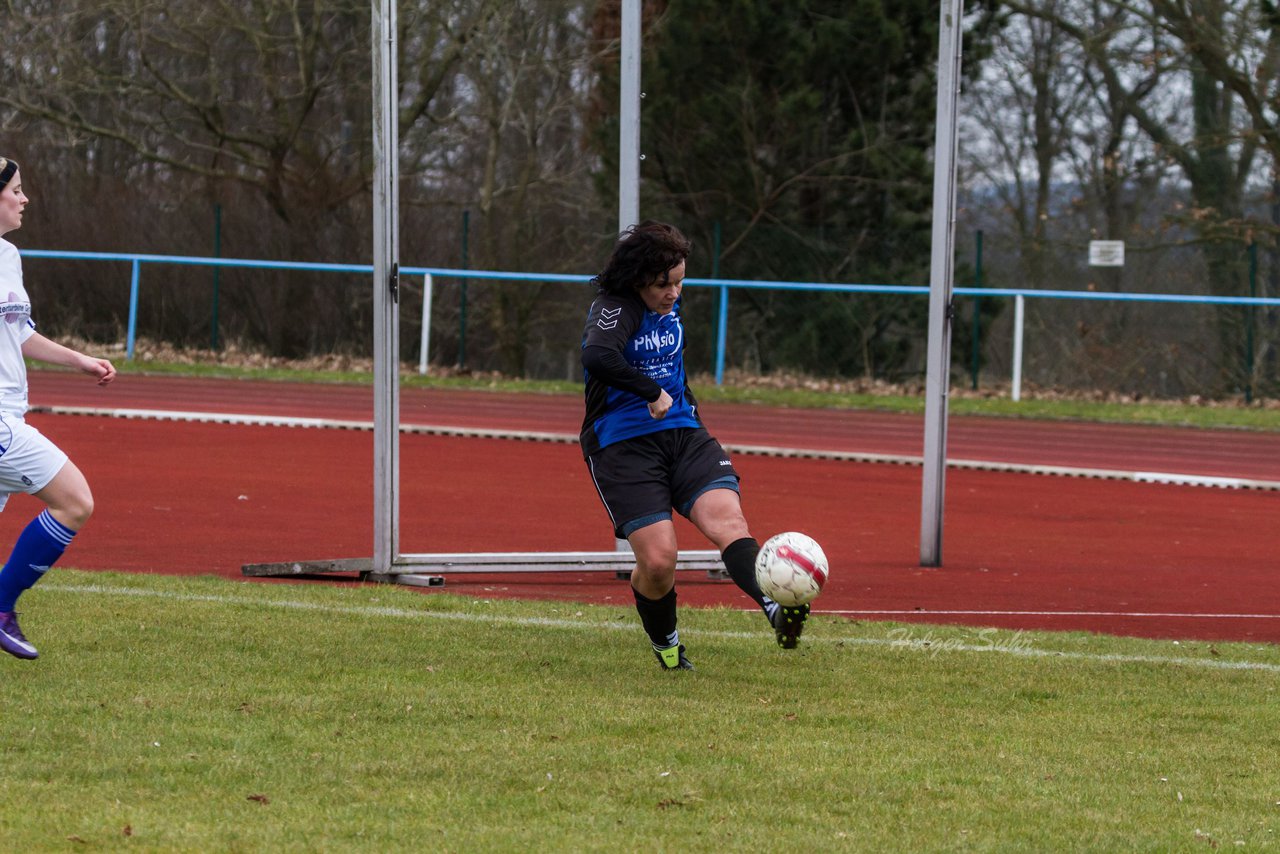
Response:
column 15, row 308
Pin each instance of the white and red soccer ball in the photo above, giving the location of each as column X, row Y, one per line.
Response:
column 791, row 568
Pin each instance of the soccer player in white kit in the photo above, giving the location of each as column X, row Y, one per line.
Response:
column 28, row 461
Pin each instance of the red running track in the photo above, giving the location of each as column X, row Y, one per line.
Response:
column 1020, row 550
column 1089, row 446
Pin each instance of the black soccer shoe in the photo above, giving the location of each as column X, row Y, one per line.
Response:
column 788, row 623
column 673, row 658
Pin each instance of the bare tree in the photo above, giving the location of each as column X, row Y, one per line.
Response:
column 510, row 147
column 1188, row 85
column 262, row 110
column 1022, row 123
column 228, row 92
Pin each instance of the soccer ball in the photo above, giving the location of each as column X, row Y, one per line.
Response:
column 791, row 568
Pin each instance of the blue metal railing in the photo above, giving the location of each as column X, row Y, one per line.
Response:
column 137, row 260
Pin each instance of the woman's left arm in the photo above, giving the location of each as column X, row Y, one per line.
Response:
column 43, row 350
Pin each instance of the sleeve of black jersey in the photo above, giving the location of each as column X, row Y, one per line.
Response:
column 610, row 326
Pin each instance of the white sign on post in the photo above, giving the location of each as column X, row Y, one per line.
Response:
column 1106, row 253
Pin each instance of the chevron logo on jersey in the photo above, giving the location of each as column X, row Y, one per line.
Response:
column 608, row 318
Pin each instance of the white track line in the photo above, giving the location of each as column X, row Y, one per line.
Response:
column 929, row 646
column 1169, row 478
column 298, row 421
column 1144, row 614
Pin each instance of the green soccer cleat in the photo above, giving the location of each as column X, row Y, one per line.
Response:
column 788, row 623
column 673, row 658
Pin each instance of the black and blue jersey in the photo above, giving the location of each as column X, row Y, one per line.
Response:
column 629, row 354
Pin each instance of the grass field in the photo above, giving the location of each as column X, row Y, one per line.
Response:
column 202, row 714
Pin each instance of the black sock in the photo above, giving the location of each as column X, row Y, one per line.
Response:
column 658, row 616
column 740, row 559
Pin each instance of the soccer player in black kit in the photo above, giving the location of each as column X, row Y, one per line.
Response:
column 644, row 442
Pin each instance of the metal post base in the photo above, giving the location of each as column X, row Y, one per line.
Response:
column 430, row 570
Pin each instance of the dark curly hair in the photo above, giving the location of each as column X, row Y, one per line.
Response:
column 645, row 253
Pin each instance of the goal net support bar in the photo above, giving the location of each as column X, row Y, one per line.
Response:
column 430, row 570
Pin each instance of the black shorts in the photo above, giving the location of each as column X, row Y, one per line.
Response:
column 641, row 480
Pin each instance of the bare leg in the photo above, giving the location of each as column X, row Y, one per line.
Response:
column 68, row 496
column 656, row 550
column 718, row 515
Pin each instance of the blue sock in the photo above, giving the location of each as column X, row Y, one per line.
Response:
column 38, row 548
